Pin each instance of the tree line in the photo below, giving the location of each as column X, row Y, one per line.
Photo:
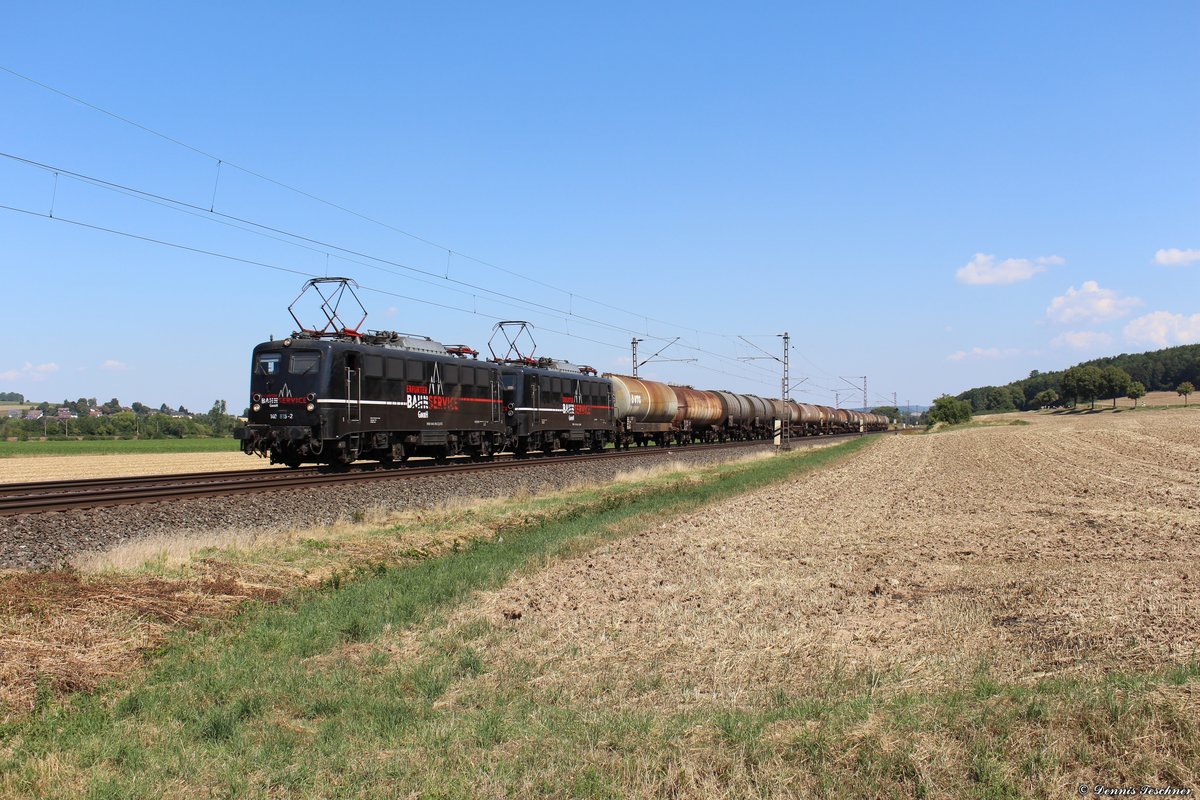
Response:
column 141, row 422
column 1174, row 369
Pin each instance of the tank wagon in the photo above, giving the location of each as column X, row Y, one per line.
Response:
column 335, row 396
column 643, row 411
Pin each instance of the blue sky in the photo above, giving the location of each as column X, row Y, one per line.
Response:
column 934, row 195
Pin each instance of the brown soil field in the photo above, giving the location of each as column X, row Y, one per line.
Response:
column 1067, row 547
column 53, row 468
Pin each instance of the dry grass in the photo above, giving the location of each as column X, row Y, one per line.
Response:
column 61, row 633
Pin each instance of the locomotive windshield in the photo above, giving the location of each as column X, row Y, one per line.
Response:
column 305, row 362
column 267, row 364
column 301, row 362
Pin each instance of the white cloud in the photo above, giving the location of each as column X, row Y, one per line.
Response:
column 983, row 269
column 1090, row 303
column 391, row 312
column 1164, row 329
column 983, row 352
column 29, row 372
column 1082, row 340
column 112, row 365
column 1176, row 257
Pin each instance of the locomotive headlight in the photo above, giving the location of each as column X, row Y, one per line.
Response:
column 256, row 398
column 256, row 407
column 287, row 342
column 311, row 407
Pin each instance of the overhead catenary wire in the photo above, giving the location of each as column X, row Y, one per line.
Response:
column 316, row 245
column 331, row 204
column 278, row 268
column 221, row 163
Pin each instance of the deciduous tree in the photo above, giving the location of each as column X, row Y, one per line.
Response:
column 1082, row 383
column 1136, row 392
column 1184, row 389
column 1046, row 398
column 950, row 410
column 1114, row 383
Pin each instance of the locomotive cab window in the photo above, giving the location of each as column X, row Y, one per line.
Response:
column 267, row 364
column 305, row 362
column 373, row 366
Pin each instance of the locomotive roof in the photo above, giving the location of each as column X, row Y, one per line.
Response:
column 562, row 368
column 387, row 340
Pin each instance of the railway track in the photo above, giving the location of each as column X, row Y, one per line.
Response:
column 51, row 496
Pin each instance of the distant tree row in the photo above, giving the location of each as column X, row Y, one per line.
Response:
column 140, row 422
column 12, row 397
column 1126, row 375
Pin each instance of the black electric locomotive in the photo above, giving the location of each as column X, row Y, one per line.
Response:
column 380, row 396
column 552, row 405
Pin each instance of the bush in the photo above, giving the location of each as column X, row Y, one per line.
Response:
column 949, row 410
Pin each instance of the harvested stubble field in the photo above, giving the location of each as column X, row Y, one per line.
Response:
column 58, row 468
column 997, row 611
column 1014, row 563
column 1061, row 548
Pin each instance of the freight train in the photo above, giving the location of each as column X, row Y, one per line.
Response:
column 339, row 396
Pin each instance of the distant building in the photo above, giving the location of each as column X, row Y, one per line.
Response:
column 65, row 413
column 33, row 415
